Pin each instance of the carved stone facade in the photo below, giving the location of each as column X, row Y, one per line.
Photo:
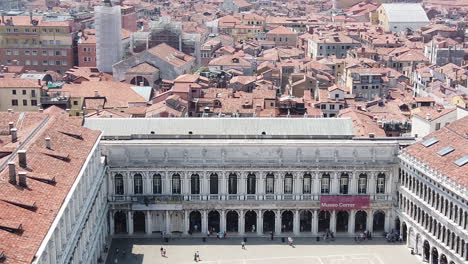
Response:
column 249, row 187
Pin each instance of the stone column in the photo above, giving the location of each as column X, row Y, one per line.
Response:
column 259, row 223
column 387, row 221
column 168, row 222
column 316, row 184
column 278, row 222
column 130, row 222
column 315, row 222
column 149, row 225
column 111, row 222
column 241, row 223
column 370, row 221
column 333, row 221
column 167, row 183
column 186, row 222
column 129, row 187
column 222, row 217
column 335, row 184
column 296, row 223
column 351, row 221
column 204, row 227
column 147, row 183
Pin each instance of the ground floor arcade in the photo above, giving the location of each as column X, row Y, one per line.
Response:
column 251, row 222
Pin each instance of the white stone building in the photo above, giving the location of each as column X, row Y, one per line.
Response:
column 247, row 177
column 432, row 196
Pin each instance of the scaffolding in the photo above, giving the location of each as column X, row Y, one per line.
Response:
column 108, row 36
column 170, row 32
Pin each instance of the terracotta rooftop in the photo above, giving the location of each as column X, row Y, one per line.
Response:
column 44, row 199
column 171, row 55
column 454, row 135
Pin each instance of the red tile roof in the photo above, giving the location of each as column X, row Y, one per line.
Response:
column 454, row 135
column 48, row 198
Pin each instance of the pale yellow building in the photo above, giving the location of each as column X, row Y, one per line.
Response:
column 19, row 95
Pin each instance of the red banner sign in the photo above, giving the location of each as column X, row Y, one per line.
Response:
column 344, row 202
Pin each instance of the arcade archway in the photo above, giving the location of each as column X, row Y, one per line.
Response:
column 120, row 222
column 232, row 221
column 360, row 221
column 213, row 221
column 268, row 221
column 324, row 221
column 342, row 221
column 287, row 218
column 138, row 222
column 250, row 221
column 305, row 218
column 195, row 221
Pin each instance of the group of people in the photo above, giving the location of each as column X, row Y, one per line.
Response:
column 363, row 236
column 393, row 236
column 328, row 235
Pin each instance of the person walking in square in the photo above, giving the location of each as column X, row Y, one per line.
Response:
column 243, row 244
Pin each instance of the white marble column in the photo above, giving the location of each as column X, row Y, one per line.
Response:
column 149, row 225
column 370, row 220
column 147, row 183
column 351, row 221
column 241, row 222
column 186, row 222
column 130, row 222
column 222, row 225
column 316, row 184
column 335, row 183
column 259, row 222
column 167, row 183
column 315, row 222
column 204, row 221
column 333, row 221
column 278, row 222
column 296, row 223
column 112, row 222
column 168, row 222
column 387, row 221
column 129, row 187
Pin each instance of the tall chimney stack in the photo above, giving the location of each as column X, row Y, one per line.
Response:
column 22, row 158
column 12, row 172
column 10, row 126
column 14, row 134
column 47, row 142
column 22, row 178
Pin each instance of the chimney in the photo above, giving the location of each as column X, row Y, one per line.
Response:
column 10, row 110
column 47, row 143
column 14, row 134
column 141, row 83
column 96, row 93
column 22, row 158
column 11, row 125
column 22, row 178
column 371, row 135
column 41, row 110
column 428, row 116
column 67, row 110
column 39, row 82
column 12, row 172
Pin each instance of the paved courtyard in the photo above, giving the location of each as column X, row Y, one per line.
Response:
column 260, row 251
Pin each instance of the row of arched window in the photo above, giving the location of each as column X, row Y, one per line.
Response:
column 251, row 184
column 435, row 199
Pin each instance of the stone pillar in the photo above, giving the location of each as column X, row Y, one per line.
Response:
column 334, row 184
column 129, row 188
column 222, row 225
column 351, row 221
column 333, row 221
column 241, row 223
column 278, row 222
column 315, row 222
column 149, row 225
column 147, row 183
column 370, row 221
column 204, row 222
column 296, row 223
column 130, row 222
column 222, row 185
column 387, row 225
column 259, row 223
column 111, row 222
column 186, row 222
column 167, row 184
column 316, row 184
column 168, row 222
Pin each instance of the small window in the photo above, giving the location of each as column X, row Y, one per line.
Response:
column 13, row 91
column 14, row 102
column 430, row 142
column 25, row 102
column 445, row 151
column 34, row 102
column 24, row 92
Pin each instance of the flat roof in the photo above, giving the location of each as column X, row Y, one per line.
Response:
column 224, row 127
